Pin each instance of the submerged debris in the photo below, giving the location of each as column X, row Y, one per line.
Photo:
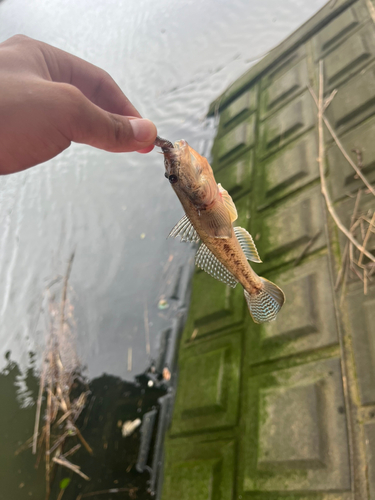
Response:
column 129, row 427
column 61, row 372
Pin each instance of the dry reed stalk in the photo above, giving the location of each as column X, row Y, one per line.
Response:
column 75, row 468
column 321, row 108
column 332, row 132
column 366, row 238
column 59, row 373
column 38, row 408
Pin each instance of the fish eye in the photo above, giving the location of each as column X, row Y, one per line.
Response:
column 173, row 179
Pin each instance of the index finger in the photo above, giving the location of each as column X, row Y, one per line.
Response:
column 95, row 83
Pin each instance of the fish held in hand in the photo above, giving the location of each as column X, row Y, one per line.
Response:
column 225, row 251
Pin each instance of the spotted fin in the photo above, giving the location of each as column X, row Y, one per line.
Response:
column 247, row 244
column 185, row 229
column 228, row 202
column 265, row 304
column 207, row 261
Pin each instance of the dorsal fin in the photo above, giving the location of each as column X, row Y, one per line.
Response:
column 207, row 261
column 247, row 244
column 185, row 229
column 228, row 202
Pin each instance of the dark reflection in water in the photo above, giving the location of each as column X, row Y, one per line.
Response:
column 112, row 465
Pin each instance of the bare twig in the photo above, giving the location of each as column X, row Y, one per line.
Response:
column 38, row 408
column 24, row 446
column 131, row 492
column 147, row 329
column 341, row 273
column 83, row 441
column 307, row 247
column 130, row 358
column 358, row 152
column 65, row 291
column 336, row 139
column 65, row 463
column 365, row 241
column 329, row 100
column 324, row 189
column 48, row 429
column 72, row 450
column 61, row 494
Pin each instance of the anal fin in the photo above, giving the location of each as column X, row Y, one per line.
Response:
column 207, row 261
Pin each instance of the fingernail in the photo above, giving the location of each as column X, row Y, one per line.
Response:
column 143, row 130
column 146, row 150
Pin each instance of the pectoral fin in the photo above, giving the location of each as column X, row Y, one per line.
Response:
column 247, row 244
column 216, row 221
column 185, row 229
column 228, row 202
column 207, row 261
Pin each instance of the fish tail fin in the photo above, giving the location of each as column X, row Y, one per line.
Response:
column 265, row 303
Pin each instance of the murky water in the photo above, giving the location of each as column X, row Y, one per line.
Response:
column 115, row 210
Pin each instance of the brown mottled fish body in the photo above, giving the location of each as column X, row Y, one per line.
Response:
column 227, row 250
column 209, row 216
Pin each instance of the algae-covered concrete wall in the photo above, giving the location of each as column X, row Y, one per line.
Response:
column 287, row 409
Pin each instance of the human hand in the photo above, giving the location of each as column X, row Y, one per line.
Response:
column 49, row 98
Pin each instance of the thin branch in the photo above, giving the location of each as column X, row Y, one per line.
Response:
column 333, row 134
column 83, row 441
column 103, row 492
column 341, row 273
column 307, row 247
column 38, row 408
column 72, row 450
column 365, row 241
column 329, row 99
column 65, row 463
column 324, row 189
column 147, row 328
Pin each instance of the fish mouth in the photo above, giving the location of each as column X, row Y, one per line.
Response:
column 164, row 144
column 171, row 156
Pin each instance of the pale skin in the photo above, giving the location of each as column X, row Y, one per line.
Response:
column 50, row 98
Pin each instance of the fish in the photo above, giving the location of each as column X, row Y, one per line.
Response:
column 225, row 250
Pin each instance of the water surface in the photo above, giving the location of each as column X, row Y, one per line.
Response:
column 115, row 210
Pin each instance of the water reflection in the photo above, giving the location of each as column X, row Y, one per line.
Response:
column 172, row 60
column 112, row 466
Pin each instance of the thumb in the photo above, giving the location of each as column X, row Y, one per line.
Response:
column 87, row 123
